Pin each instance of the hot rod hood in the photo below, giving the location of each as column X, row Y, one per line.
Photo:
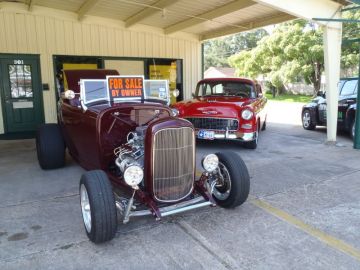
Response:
column 213, row 106
column 133, row 105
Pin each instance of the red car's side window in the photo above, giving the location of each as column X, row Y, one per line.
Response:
column 258, row 90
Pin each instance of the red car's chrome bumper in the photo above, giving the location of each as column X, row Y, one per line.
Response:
column 232, row 135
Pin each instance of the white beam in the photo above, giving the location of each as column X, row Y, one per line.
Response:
column 149, row 11
column 249, row 25
column 86, row 7
column 306, row 9
column 332, row 53
column 210, row 15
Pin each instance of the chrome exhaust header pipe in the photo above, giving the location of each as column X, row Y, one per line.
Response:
column 172, row 209
column 187, row 208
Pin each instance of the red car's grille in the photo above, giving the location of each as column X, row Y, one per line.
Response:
column 214, row 123
column 173, row 163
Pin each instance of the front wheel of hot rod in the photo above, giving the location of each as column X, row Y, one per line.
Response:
column 50, row 147
column 233, row 188
column 98, row 206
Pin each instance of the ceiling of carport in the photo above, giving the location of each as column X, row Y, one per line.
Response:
column 207, row 19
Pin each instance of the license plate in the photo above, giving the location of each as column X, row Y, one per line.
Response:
column 206, row 134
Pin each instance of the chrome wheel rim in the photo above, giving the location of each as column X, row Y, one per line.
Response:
column 85, row 207
column 222, row 191
column 353, row 130
column 306, row 119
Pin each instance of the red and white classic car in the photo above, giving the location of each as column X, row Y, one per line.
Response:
column 226, row 108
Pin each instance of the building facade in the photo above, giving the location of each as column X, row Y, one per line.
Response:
column 35, row 45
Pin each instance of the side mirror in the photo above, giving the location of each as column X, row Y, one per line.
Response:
column 321, row 94
column 68, row 94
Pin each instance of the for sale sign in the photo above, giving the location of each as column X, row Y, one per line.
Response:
column 125, row 87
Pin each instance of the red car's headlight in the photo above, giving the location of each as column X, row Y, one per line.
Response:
column 247, row 114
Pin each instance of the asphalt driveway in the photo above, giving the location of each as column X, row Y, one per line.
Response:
column 303, row 212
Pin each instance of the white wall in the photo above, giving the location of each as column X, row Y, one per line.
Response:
column 300, row 88
column 49, row 32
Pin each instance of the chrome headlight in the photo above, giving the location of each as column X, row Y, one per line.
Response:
column 175, row 112
column 247, row 114
column 210, row 162
column 133, row 175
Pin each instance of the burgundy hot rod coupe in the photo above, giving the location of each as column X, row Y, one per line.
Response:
column 140, row 158
column 226, row 108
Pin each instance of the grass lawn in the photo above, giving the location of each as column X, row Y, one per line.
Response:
column 289, row 98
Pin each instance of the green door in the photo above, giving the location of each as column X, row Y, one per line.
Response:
column 21, row 95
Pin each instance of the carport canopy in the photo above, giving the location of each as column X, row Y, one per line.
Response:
column 214, row 18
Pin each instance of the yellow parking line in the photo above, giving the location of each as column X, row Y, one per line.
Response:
column 320, row 235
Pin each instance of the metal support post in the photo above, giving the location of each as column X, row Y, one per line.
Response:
column 357, row 118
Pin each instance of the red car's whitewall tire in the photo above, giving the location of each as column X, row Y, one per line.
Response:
column 254, row 143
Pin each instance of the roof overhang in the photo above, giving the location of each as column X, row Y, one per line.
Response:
column 205, row 19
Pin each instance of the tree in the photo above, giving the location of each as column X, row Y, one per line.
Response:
column 350, row 51
column 293, row 51
column 217, row 51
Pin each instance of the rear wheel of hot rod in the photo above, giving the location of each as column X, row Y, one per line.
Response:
column 50, row 147
column 98, row 206
column 233, row 189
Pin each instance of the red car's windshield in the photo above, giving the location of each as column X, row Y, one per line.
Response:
column 238, row 89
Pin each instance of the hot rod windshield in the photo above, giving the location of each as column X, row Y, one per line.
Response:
column 157, row 89
column 93, row 90
column 240, row 89
column 96, row 90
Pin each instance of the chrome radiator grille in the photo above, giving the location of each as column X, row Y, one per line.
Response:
column 214, row 123
column 173, row 163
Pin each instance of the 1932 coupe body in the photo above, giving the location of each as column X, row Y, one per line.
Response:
column 140, row 158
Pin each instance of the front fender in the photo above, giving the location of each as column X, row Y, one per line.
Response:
column 352, row 107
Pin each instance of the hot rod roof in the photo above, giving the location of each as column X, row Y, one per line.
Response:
column 74, row 76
